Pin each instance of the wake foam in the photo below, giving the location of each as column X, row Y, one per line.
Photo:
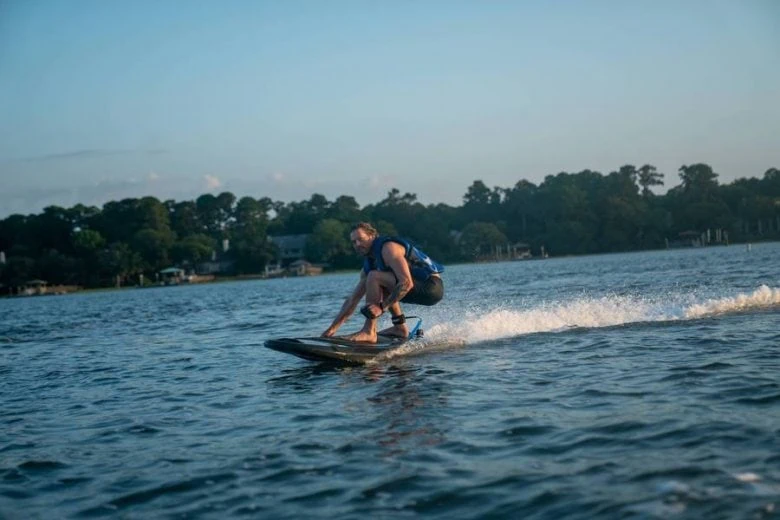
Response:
column 607, row 311
column 763, row 297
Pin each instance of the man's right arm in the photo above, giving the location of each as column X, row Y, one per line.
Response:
column 349, row 306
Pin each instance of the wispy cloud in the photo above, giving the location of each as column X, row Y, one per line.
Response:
column 34, row 199
column 212, row 183
column 379, row 182
column 89, row 154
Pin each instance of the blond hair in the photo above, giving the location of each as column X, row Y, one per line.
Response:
column 366, row 227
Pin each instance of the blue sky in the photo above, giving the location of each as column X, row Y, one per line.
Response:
column 101, row 100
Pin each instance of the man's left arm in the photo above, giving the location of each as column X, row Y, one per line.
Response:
column 393, row 255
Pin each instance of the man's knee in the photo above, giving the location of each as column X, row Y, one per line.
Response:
column 379, row 278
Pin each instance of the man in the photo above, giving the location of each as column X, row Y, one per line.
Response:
column 393, row 271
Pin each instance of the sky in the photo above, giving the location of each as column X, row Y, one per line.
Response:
column 103, row 100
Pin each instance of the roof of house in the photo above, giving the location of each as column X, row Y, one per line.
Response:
column 172, row 270
column 289, row 241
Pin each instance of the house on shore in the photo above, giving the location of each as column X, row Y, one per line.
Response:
column 33, row 288
column 303, row 268
column 172, row 276
column 291, row 247
column 692, row 238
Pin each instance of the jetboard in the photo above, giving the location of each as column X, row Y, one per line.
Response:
column 340, row 350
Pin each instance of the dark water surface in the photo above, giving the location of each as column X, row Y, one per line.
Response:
column 622, row 386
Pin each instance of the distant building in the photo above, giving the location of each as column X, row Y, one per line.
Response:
column 688, row 238
column 33, row 287
column 214, row 266
column 303, row 268
column 172, row 276
column 518, row 251
column 291, row 247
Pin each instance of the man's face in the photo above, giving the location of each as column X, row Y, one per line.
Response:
column 361, row 241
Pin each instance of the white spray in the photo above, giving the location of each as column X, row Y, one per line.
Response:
column 607, row 311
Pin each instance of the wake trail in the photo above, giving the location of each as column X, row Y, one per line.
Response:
column 606, row 311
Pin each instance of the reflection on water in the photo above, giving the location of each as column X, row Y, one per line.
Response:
column 402, row 404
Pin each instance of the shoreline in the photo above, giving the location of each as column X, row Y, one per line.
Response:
column 248, row 277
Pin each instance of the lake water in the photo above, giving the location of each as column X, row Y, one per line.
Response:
column 641, row 385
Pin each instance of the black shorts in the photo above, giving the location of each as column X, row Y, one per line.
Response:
column 426, row 292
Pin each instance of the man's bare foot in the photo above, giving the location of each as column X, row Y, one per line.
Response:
column 361, row 336
column 396, row 331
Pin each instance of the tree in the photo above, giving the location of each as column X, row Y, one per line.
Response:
column 51, row 230
column 18, row 270
column 214, row 213
column 480, row 238
column 154, row 247
column 481, row 204
column 184, row 218
column 301, row 217
column 570, row 222
column 520, row 210
column 648, row 176
column 345, row 209
column 477, row 194
column 12, row 231
column 770, row 184
column 150, row 213
column 87, row 242
column 328, row 243
column 192, row 249
column 56, row 268
column 628, row 171
column 119, row 261
column 250, row 245
column 698, row 180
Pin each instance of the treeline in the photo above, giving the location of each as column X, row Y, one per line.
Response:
column 568, row 213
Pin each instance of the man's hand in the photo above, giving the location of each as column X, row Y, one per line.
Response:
column 329, row 333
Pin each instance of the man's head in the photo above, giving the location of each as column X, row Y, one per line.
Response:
column 362, row 236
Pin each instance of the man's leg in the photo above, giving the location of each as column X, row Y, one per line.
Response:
column 377, row 284
column 400, row 330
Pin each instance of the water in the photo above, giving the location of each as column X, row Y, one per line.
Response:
column 620, row 386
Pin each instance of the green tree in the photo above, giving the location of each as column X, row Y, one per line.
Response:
column 648, row 176
column 698, row 180
column 521, row 212
column 118, row 260
column 570, row 223
column 770, row 184
column 150, row 213
column 192, row 249
column 328, row 243
column 18, row 270
column 56, row 268
column 481, row 238
column 250, row 245
column 51, row 230
column 87, row 242
column 214, row 213
column 481, row 204
column 344, row 209
column 184, row 218
column 154, row 247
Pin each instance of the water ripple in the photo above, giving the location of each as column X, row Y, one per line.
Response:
column 570, row 388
